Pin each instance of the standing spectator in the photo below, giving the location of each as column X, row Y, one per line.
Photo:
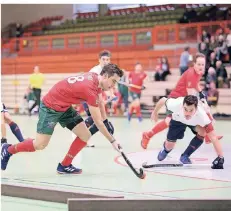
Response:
column 36, row 81
column 165, row 70
column 221, row 74
column 184, row 60
column 228, row 41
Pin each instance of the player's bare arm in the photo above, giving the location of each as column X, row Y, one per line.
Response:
column 213, row 137
column 159, row 105
column 102, row 107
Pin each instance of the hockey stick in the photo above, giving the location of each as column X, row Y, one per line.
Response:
column 139, row 173
column 132, row 85
column 162, row 165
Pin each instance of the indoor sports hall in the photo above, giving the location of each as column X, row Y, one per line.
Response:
column 56, row 46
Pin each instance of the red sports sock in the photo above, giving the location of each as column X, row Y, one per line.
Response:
column 132, row 108
column 138, row 112
column 75, row 148
column 115, row 109
column 25, row 146
column 158, row 128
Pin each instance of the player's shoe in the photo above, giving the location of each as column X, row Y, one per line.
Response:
column 145, row 140
column 140, row 119
column 162, row 155
column 5, row 156
column 68, row 169
column 208, row 141
column 129, row 117
column 185, row 159
column 3, row 141
column 218, row 163
column 90, row 145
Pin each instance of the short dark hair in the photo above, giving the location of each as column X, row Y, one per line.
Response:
column 104, row 53
column 198, row 55
column 191, row 100
column 187, row 48
column 111, row 69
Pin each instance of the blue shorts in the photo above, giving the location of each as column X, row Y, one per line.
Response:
column 176, row 130
column 135, row 95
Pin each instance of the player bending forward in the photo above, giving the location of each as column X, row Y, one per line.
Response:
column 188, row 84
column 56, row 107
column 186, row 112
column 104, row 59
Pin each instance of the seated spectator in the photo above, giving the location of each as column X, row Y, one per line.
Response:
column 211, row 77
column 222, row 48
column 228, row 41
column 205, row 35
column 165, row 70
column 227, row 15
column 221, row 75
column 192, row 14
column 204, row 49
column 211, row 63
column 185, row 18
column 213, row 44
column 158, row 69
column 212, row 60
column 212, row 94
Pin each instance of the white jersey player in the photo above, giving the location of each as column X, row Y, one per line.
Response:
column 104, row 58
column 187, row 112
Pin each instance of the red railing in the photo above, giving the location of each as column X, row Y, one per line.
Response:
column 134, row 39
column 186, row 33
column 67, row 43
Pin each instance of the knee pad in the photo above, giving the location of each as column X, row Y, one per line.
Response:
column 89, row 122
column 86, row 108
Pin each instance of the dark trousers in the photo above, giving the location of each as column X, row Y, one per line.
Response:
column 37, row 93
column 125, row 100
column 229, row 51
column 183, row 69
